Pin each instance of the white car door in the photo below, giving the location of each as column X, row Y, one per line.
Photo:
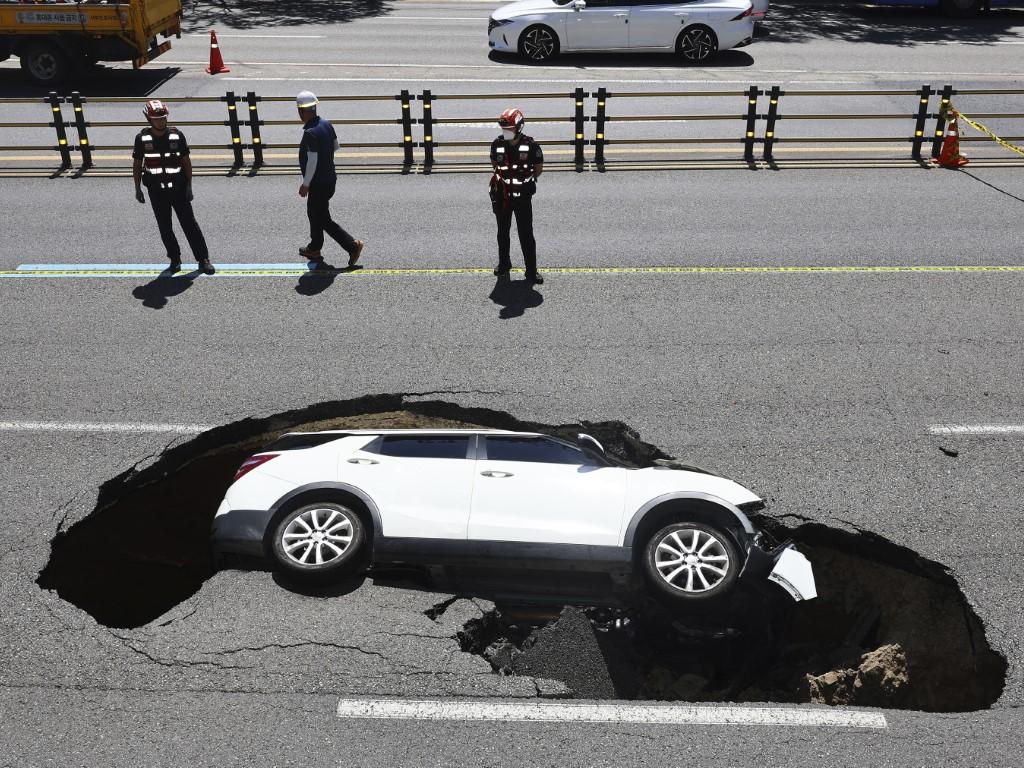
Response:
column 541, row 490
column 602, row 24
column 421, row 484
column 654, row 24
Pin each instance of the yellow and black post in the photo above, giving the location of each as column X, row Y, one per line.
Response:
column 940, row 120
column 81, row 126
column 236, row 133
column 578, row 120
column 407, row 143
column 772, row 117
column 749, row 138
column 428, row 130
column 254, row 129
column 922, row 116
column 601, row 118
column 62, row 136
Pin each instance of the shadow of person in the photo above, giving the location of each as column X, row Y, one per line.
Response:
column 319, row 280
column 157, row 291
column 514, row 297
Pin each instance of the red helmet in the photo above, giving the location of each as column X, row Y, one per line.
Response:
column 155, row 108
column 512, row 118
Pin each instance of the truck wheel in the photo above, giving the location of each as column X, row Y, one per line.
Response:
column 44, row 63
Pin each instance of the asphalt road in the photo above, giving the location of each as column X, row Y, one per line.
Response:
column 815, row 389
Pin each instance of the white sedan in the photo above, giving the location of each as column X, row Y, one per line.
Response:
column 540, row 29
column 322, row 504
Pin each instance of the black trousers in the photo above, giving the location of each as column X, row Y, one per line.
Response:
column 164, row 201
column 522, row 208
column 318, row 208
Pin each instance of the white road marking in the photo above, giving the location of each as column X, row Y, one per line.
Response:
column 304, row 37
column 426, row 18
column 652, row 714
column 977, row 429
column 67, row 426
column 601, row 81
column 505, row 67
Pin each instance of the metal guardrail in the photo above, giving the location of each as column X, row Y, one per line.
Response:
column 757, row 127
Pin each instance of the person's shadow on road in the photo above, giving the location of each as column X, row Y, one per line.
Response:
column 514, row 297
column 319, row 280
column 157, row 291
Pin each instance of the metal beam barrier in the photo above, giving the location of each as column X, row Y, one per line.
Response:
column 430, row 122
column 775, row 114
column 749, row 117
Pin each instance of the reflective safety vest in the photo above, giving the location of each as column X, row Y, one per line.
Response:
column 162, row 168
column 516, row 163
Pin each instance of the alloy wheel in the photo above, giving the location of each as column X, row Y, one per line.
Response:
column 692, row 560
column 697, row 45
column 539, row 44
column 317, row 537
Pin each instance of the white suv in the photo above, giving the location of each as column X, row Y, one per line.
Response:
column 324, row 503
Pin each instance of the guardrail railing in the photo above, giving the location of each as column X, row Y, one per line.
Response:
column 749, row 118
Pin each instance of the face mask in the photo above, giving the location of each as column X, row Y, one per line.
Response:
column 508, row 133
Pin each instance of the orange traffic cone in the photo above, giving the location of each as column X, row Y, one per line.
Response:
column 950, row 156
column 216, row 62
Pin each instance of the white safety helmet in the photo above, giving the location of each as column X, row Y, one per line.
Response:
column 307, row 100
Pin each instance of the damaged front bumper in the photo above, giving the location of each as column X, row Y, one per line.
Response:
column 784, row 566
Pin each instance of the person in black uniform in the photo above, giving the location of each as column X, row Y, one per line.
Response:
column 319, row 181
column 161, row 162
column 518, row 162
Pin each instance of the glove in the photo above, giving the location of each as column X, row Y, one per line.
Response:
column 188, row 193
column 139, row 196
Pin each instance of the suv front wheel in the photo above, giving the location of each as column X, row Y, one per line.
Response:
column 691, row 562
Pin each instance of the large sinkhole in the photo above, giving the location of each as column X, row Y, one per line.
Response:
column 889, row 628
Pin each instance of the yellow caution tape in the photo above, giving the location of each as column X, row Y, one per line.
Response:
column 982, row 129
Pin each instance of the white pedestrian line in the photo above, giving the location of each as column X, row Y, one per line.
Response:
column 977, row 429
column 647, row 714
column 68, row 426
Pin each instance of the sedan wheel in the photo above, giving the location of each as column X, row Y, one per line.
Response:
column 691, row 561
column 318, row 538
column 697, row 43
column 538, row 44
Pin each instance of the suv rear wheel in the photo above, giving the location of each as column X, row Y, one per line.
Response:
column 319, row 540
column 691, row 562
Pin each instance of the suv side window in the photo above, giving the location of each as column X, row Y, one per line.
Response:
column 537, row 449
column 424, row 447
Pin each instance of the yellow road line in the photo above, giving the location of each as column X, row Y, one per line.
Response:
column 299, row 271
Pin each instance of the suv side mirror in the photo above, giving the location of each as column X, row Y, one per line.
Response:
column 585, row 441
column 579, row 5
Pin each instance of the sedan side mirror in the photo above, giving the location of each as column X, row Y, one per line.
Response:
column 585, row 441
column 579, row 5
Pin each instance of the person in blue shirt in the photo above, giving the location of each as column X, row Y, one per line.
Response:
column 319, row 180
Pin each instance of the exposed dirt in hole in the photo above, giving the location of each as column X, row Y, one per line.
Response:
column 889, row 628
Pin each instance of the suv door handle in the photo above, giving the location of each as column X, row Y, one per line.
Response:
column 492, row 473
column 619, row 15
column 363, row 461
